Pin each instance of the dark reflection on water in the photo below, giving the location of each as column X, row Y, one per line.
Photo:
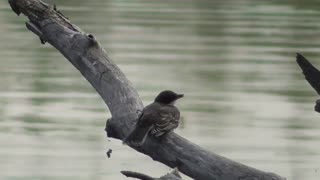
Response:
column 234, row 60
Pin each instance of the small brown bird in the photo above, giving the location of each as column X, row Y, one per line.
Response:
column 158, row 118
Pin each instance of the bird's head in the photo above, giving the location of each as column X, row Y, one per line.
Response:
column 167, row 97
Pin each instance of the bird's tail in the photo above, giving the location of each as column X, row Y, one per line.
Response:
column 137, row 136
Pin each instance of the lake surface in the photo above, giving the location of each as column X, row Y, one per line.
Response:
column 245, row 97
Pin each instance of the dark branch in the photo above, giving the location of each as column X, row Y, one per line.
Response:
column 137, row 175
column 86, row 54
column 174, row 175
column 312, row 75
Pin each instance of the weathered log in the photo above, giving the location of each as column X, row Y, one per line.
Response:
column 86, row 54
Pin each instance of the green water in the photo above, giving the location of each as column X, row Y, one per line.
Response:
column 245, row 97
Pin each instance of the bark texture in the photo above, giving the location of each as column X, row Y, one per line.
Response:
column 86, row 54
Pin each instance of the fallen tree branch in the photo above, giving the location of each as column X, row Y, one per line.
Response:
column 312, row 75
column 174, row 175
column 86, row 54
column 137, row 175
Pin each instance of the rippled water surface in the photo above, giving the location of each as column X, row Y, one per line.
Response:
column 245, row 97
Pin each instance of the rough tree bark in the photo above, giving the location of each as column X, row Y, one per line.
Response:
column 86, row 54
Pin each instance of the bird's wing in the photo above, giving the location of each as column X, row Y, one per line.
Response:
column 167, row 120
column 311, row 74
column 149, row 115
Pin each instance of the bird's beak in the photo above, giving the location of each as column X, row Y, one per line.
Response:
column 179, row 96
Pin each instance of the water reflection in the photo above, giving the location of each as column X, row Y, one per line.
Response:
column 234, row 60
